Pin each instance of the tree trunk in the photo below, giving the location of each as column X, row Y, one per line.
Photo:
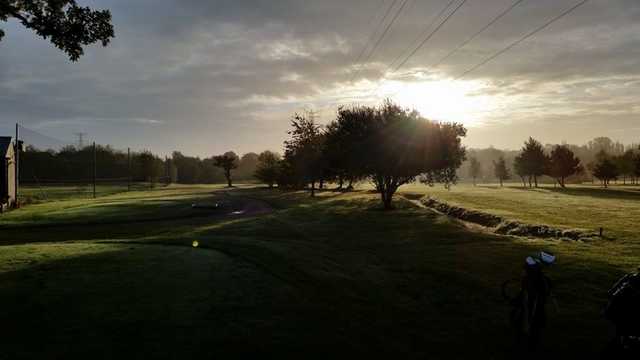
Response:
column 321, row 184
column 524, row 181
column 340, row 182
column 535, row 180
column 228, row 176
column 387, row 198
column 530, row 184
column 313, row 188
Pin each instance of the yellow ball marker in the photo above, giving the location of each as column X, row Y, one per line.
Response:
column 195, row 243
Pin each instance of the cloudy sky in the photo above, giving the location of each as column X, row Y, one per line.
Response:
column 206, row 76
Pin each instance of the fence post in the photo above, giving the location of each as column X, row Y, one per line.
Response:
column 17, row 167
column 94, row 169
column 128, row 169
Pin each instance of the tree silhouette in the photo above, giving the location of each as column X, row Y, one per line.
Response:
column 605, row 169
column 532, row 161
column 268, row 169
column 501, row 171
column 626, row 164
column 227, row 161
column 475, row 169
column 303, row 153
column 345, row 140
column 562, row 164
column 395, row 146
column 68, row 26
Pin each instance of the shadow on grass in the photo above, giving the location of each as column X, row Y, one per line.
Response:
column 327, row 280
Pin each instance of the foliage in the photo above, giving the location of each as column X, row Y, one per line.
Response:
column 227, row 162
column 67, row 25
column 532, row 161
column 74, row 165
column 268, row 168
column 562, row 164
column 605, row 169
column 501, row 171
column 303, row 153
column 397, row 145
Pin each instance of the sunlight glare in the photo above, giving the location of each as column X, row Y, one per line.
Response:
column 442, row 99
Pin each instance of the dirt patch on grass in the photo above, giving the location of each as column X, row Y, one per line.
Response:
column 503, row 226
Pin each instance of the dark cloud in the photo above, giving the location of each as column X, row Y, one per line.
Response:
column 207, row 76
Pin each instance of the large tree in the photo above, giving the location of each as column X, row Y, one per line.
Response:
column 268, row 169
column 501, row 170
column 626, row 165
column 303, row 153
column 397, row 145
column 67, row 25
column 227, row 161
column 344, row 147
column 605, row 169
column 532, row 160
column 562, row 164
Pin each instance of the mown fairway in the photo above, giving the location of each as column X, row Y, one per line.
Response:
column 330, row 276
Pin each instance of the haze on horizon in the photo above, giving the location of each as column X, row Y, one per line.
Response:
column 204, row 77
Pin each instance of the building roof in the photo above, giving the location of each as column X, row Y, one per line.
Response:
column 5, row 142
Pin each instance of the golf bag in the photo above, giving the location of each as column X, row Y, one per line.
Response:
column 623, row 310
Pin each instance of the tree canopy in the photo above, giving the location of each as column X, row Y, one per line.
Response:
column 532, row 161
column 227, row 161
column 67, row 25
column 562, row 164
column 501, row 171
column 268, row 169
column 392, row 146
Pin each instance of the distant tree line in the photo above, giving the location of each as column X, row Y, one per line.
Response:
column 75, row 165
column 601, row 159
column 386, row 145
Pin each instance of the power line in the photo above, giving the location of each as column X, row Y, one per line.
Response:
column 522, row 39
column 474, row 36
column 430, row 35
column 433, row 20
column 375, row 31
column 386, row 30
column 417, row 39
column 371, row 37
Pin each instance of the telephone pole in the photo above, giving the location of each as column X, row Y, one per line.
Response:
column 95, row 170
column 80, row 136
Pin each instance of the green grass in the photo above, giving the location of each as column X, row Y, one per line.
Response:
column 585, row 207
column 328, row 277
column 37, row 194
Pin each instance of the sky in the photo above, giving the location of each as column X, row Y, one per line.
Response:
column 204, row 77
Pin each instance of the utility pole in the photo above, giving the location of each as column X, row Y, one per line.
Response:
column 80, row 136
column 17, row 170
column 94, row 170
column 128, row 169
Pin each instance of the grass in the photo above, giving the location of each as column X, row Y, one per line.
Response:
column 37, row 194
column 578, row 206
column 332, row 276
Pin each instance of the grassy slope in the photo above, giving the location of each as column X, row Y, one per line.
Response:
column 332, row 276
column 586, row 207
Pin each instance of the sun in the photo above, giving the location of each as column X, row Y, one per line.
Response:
column 441, row 99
